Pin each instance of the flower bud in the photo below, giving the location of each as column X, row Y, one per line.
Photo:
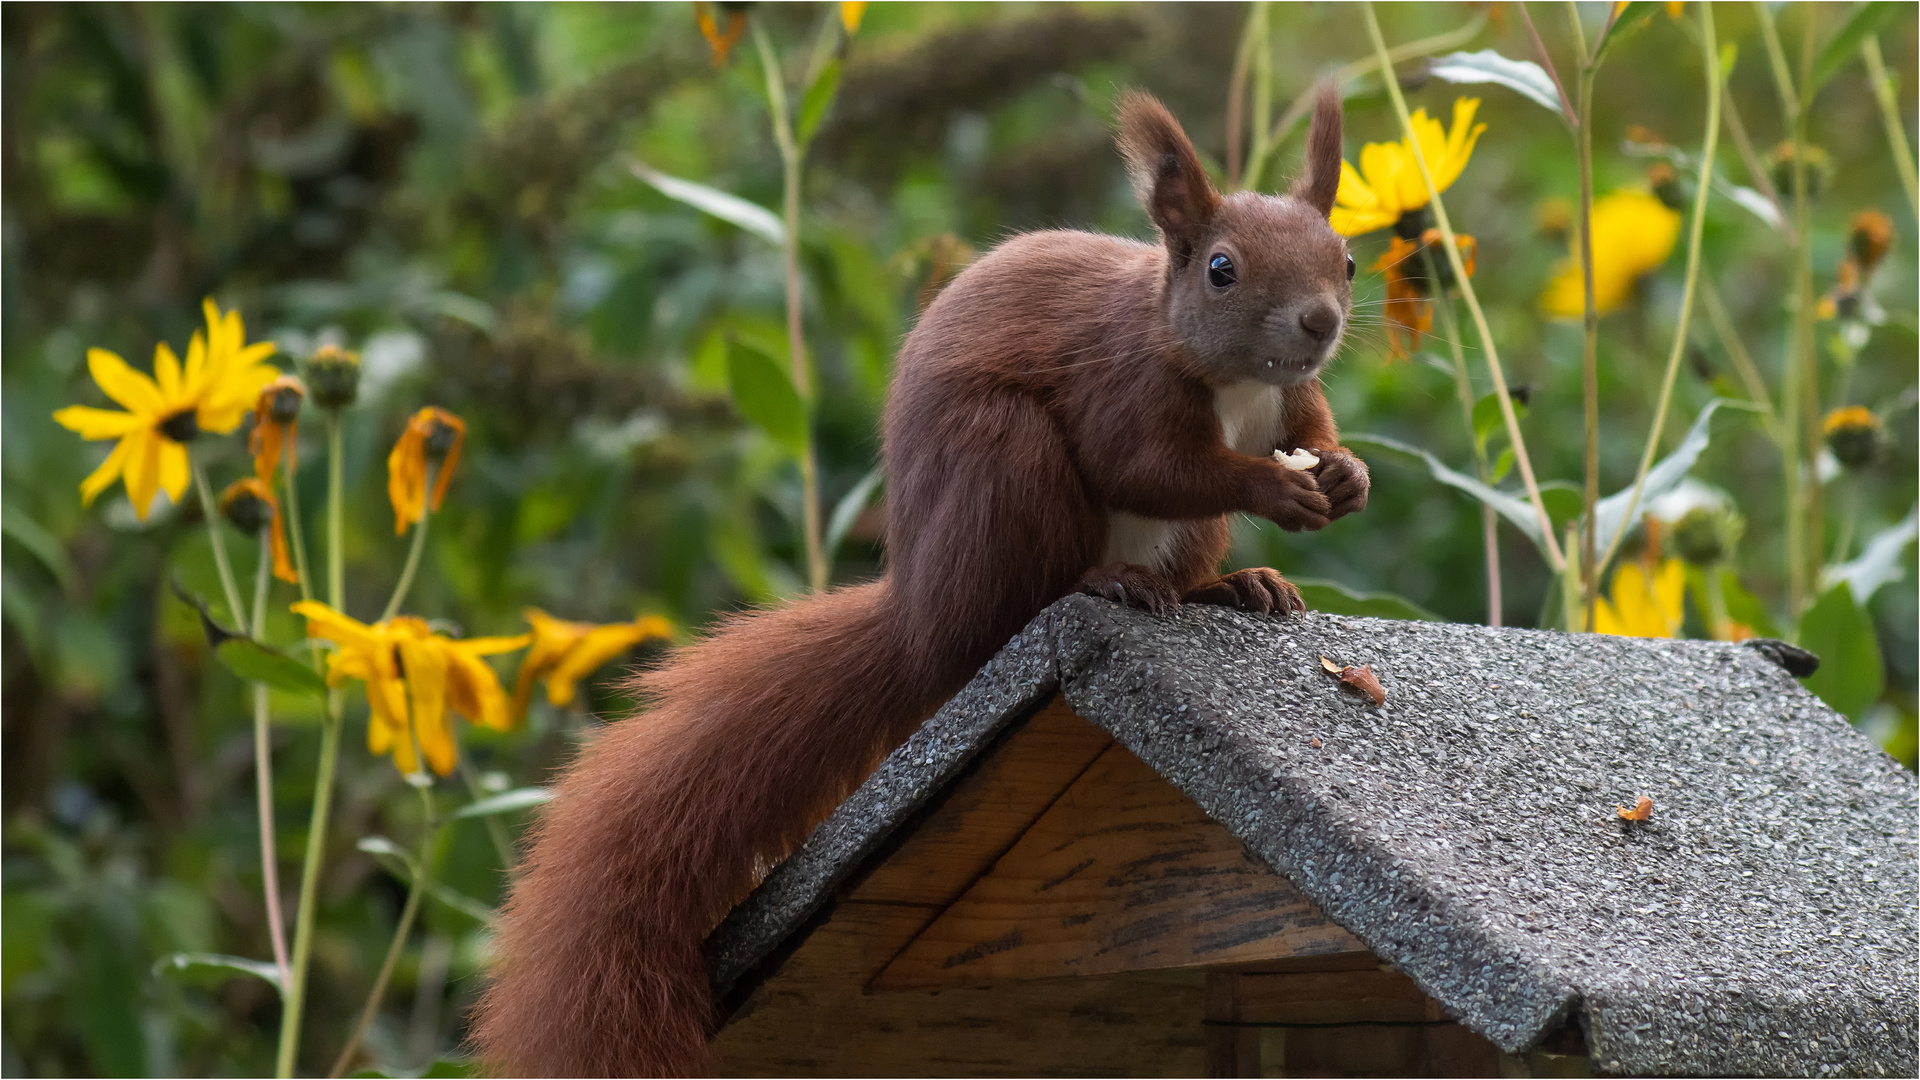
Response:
column 1665, row 181
column 333, row 374
column 245, row 508
column 1706, row 535
column 1869, row 238
column 1855, row 435
column 1818, row 166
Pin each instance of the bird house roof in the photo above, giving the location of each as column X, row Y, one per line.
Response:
column 1760, row 920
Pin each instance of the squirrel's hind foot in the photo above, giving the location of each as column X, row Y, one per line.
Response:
column 1256, row 589
column 1132, row 585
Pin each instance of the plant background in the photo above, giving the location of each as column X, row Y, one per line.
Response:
column 446, row 188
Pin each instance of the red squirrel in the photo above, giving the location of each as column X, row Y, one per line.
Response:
column 1073, row 412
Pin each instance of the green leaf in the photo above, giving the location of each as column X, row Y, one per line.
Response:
column 1844, row 45
column 259, row 663
column 1564, row 501
column 732, row 209
column 1487, row 418
column 1487, row 66
column 239, row 965
column 504, row 803
column 1851, row 677
column 847, row 510
column 1502, row 465
column 1879, row 561
column 1665, row 475
column 1622, row 25
column 1518, row 512
column 765, row 396
column 1337, row 599
column 813, row 107
column 449, row 1067
column 1743, row 606
column 40, row 543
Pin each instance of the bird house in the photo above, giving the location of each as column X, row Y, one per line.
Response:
column 1185, row 846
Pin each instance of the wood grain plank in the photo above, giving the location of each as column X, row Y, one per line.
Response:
column 987, row 810
column 1122, row 873
column 812, row 1019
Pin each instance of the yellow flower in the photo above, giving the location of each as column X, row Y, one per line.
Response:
column 565, row 652
column 1633, row 233
column 1388, row 183
column 215, row 388
column 249, row 504
column 1643, row 607
column 414, row 677
column 432, row 433
column 850, row 13
column 1408, row 311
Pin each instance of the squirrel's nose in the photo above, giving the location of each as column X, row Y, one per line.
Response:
column 1320, row 321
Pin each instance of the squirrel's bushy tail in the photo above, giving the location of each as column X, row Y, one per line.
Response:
column 750, row 737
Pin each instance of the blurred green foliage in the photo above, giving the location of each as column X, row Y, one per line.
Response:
column 449, row 188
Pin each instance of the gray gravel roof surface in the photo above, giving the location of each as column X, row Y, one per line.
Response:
column 1762, row 922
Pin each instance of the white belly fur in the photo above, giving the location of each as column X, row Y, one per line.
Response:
column 1250, row 421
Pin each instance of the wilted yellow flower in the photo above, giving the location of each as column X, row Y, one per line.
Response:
column 222, row 377
column 1408, row 312
column 1388, row 183
column 433, row 434
column 1641, row 606
column 565, row 652
column 850, row 13
column 721, row 41
column 249, row 504
column 1633, row 233
column 413, row 676
column 276, row 425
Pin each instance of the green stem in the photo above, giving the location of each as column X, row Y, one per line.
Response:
column 1719, row 624
column 263, row 770
column 294, row 1001
column 1549, row 543
column 1262, row 98
column 1590, row 347
column 501, row 842
column 1729, row 335
column 792, row 158
column 422, row 872
column 1463, row 389
column 295, row 533
column 1237, row 98
column 1890, row 116
column 1804, row 387
column 336, row 503
column 1709, row 49
column 211, row 511
column 405, row 584
column 1777, row 60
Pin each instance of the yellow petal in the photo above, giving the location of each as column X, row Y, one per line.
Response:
column 1565, row 296
column 1606, row 620
column 142, row 470
column 94, row 423
column 475, row 690
column 173, row 469
column 426, row 668
column 598, row 647
column 850, row 13
column 199, row 371
column 327, row 624
column 131, row 389
column 109, row 471
column 166, row 372
column 1382, row 164
column 1669, row 594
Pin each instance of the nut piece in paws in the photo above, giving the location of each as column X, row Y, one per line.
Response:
column 1257, row 589
column 1134, row 586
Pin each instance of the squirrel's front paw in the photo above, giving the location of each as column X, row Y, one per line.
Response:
column 1344, row 481
column 1296, row 502
column 1134, row 586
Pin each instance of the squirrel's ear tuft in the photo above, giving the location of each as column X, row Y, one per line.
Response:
column 1321, row 180
column 1166, row 172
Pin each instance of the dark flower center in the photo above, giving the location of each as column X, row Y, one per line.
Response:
column 181, row 427
column 286, row 405
column 440, row 441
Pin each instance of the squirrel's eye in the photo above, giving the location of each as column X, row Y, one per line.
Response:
column 1349, row 266
column 1220, row 271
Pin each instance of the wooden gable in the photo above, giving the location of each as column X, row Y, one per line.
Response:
column 1062, row 910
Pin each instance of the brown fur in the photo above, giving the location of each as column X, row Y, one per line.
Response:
column 1063, row 379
